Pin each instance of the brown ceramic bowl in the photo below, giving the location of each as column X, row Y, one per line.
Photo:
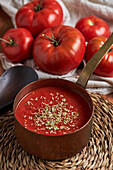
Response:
column 58, row 146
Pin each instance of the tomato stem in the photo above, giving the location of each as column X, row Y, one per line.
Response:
column 38, row 7
column 54, row 41
column 4, row 40
column 10, row 42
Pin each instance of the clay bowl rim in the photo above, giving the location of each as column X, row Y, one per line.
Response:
column 77, row 130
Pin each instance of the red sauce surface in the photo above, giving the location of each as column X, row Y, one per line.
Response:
column 52, row 111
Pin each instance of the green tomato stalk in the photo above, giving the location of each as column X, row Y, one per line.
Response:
column 10, row 42
column 53, row 40
column 38, row 7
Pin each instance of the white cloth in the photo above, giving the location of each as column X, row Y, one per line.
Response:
column 73, row 10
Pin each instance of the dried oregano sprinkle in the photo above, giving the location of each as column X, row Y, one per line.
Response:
column 54, row 117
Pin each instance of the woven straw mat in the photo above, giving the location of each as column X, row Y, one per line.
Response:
column 98, row 154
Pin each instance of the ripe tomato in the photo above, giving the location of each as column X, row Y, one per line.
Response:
column 59, row 49
column 105, row 67
column 92, row 26
column 39, row 15
column 17, row 44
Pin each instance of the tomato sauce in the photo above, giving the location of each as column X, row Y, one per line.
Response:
column 52, row 111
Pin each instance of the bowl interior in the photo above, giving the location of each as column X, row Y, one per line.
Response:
column 57, row 83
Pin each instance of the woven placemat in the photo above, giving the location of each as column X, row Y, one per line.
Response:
column 98, row 154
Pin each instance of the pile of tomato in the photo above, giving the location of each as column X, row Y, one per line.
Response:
column 56, row 48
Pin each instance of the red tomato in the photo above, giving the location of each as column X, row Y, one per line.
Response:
column 17, row 44
column 62, row 52
column 105, row 67
column 39, row 15
column 92, row 27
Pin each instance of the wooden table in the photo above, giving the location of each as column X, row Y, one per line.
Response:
column 5, row 24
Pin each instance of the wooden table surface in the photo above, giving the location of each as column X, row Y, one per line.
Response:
column 5, row 24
